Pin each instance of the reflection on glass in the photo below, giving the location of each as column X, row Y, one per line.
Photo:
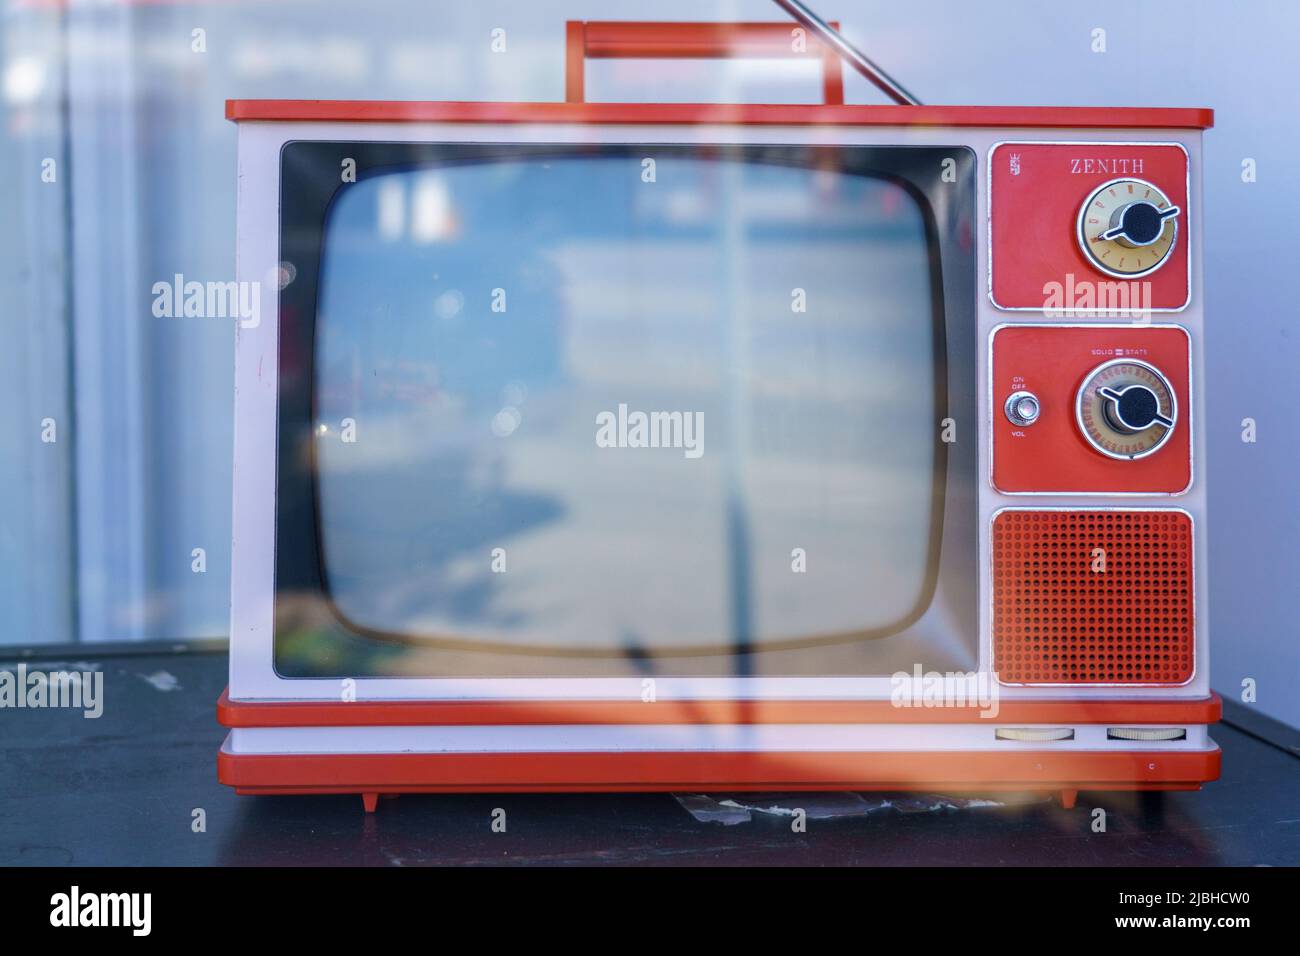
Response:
column 479, row 322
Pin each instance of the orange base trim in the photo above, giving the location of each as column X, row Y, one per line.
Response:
column 704, row 770
column 410, row 713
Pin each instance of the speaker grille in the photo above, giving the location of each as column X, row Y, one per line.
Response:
column 1057, row 620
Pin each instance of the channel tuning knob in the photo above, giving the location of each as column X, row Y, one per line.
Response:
column 1138, row 223
column 1128, row 228
column 1126, row 409
column 1132, row 408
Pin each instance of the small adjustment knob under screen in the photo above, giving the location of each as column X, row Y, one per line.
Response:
column 1126, row 409
column 1022, row 408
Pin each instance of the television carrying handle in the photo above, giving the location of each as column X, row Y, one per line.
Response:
column 586, row 40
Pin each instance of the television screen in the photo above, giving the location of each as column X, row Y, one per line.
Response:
column 622, row 404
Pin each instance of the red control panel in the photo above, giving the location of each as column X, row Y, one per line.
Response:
column 1099, row 409
column 1088, row 227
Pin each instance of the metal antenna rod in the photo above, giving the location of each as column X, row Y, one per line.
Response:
column 848, row 52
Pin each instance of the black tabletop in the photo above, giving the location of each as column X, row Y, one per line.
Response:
column 122, row 789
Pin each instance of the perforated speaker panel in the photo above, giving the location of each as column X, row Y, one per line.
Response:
column 1092, row 597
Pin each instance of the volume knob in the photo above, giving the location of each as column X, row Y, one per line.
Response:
column 1022, row 408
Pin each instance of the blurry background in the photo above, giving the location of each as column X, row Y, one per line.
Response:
column 98, row 527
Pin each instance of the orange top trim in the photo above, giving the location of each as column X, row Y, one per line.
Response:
column 397, row 111
column 232, row 713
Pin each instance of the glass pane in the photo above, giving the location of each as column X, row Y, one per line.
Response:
column 502, row 339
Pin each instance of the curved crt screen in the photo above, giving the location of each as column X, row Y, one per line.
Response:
column 593, row 405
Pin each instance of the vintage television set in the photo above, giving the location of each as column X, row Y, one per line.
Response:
column 595, row 446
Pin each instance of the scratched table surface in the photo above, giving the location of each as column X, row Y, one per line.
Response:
column 121, row 790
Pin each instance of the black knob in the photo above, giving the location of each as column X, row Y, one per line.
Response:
column 1139, row 223
column 1133, row 408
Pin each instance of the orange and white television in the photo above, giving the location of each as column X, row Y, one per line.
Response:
column 590, row 446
